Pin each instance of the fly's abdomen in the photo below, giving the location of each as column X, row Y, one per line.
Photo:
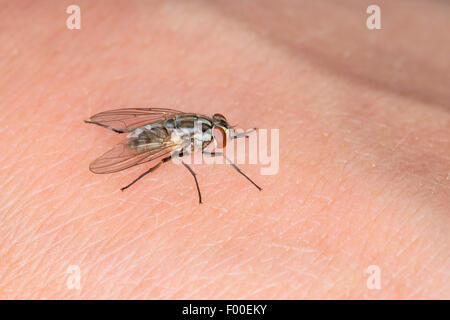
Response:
column 149, row 137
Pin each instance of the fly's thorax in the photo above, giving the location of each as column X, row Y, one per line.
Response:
column 193, row 129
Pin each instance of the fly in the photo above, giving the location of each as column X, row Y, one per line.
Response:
column 157, row 134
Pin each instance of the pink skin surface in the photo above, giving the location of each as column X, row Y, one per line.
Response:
column 364, row 178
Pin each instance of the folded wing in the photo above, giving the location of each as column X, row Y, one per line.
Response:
column 123, row 156
column 128, row 119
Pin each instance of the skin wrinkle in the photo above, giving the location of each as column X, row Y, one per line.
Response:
column 106, row 279
column 314, row 53
column 191, row 258
column 154, row 267
column 168, row 276
column 48, row 274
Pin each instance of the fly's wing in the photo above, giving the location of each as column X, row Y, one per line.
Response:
column 126, row 120
column 122, row 156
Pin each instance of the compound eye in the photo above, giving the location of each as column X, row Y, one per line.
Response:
column 219, row 116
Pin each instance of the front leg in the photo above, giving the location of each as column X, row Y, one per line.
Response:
column 180, row 155
column 218, row 154
column 243, row 134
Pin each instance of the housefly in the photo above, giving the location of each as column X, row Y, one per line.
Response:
column 157, row 135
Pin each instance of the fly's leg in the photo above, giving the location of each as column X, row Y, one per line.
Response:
column 180, row 155
column 218, row 154
column 157, row 166
column 243, row 134
column 196, row 182
column 104, row 126
column 146, row 172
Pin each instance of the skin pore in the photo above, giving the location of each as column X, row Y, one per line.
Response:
column 364, row 176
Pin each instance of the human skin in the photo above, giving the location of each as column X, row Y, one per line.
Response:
column 364, row 175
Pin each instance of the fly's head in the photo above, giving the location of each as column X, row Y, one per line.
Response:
column 220, row 122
